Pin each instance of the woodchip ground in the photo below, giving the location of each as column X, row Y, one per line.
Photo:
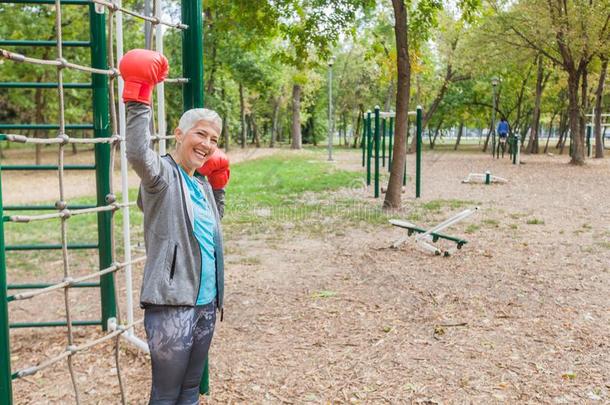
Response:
column 333, row 315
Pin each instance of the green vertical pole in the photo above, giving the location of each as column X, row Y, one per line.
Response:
column 383, row 135
column 369, row 148
column 192, row 92
column 192, row 54
column 377, row 139
column 363, row 141
column 6, row 395
column 391, row 136
column 418, row 153
column 101, row 122
column 589, row 144
column 488, row 177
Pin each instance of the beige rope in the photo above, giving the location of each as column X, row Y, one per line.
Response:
column 154, row 20
column 71, row 350
column 68, row 283
column 114, row 147
column 17, row 57
column 58, row 139
column 67, row 213
column 64, row 232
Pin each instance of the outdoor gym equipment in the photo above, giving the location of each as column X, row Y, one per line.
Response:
column 486, row 178
column 590, row 126
column 424, row 238
column 514, row 150
column 109, row 131
column 374, row 146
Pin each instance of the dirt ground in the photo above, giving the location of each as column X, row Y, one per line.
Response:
column 520, row 315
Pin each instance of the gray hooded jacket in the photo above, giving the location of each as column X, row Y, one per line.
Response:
column 172, row 274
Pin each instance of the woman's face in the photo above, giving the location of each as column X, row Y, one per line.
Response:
column 197, row 144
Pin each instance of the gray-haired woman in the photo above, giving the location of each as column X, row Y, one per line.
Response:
column 183, row 281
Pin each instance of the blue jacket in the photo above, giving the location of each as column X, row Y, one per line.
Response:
column 503, row 127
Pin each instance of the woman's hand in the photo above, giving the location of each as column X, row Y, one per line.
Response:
column 141, row 70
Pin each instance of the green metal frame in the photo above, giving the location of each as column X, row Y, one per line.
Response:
column 419, row 118
column 363, row 141
column 26, row 42
column 6, row 390
column 192, row 92
column 377, row 139
column 369, row 148
column 101, row 129
column 383, row 141
column 52, row 324
column 101, row 119
column 390, row 151
column 193, row 97
column 44, row 126
column 37, row 85
column 435, row 236
column 47, row 167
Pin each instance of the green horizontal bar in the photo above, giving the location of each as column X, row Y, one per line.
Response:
column 76, row 2
column 440, row 235
column 37, row 85
column 27, row 42
column 45, row 126
column 74, row 246
column 52, row 324
column 31, row 286
column 43, row 207
column 47, row 167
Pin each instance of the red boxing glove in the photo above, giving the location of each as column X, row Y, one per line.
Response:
column 216, row 169
column 141, row 69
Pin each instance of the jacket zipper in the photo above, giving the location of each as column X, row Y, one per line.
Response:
column 173, row 269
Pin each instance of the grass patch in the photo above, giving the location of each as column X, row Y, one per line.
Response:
column 492, row 223
column 323, row 294
column 472, row 228
column 535, row 221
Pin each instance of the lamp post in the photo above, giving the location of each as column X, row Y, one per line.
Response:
column 494, row 84
column 330, row 109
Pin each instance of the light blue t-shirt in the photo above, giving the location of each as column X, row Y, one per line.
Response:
column 205, row 224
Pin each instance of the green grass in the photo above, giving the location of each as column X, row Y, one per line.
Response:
column 472, row 228
column 535, row 221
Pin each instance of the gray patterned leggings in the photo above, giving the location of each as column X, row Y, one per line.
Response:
column 179, row 339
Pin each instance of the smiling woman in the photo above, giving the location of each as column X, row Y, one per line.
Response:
column 197, row 138
column 183, row 281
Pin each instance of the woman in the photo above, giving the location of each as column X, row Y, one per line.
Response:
column 183, row 281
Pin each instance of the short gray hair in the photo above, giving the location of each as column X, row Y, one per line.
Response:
column 192, row 116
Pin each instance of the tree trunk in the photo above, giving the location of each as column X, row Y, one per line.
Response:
column 242, row 115
column 436, row 130
column 548, row 138
column 488, row 136
column 255, row 135
column 357, row 131
column 577, row 142
column 459, row 135
column 276, row 113
column 394, row 191
column 532, row 145
column 296, row 117
column 584, row 108
column 225, row 133
column 599, row 141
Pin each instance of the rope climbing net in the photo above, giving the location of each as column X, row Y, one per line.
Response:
column 115, row 141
